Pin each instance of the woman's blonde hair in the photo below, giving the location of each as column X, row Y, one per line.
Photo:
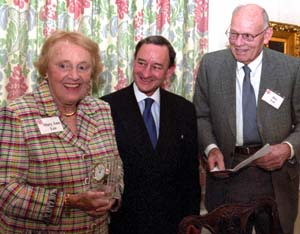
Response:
column 76, row 38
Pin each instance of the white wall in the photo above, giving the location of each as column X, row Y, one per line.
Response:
column 285, row 11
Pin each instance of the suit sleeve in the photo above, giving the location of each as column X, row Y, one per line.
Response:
column 294, row 136
column 190, row 177
column 17, row 197
column 203, row 112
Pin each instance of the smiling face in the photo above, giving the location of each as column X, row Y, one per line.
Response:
column 151, row 67
column 249, row 20
column 69, row 74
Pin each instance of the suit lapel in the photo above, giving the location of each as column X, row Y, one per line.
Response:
column 165, row 120
column 270, row 73
column 133, row 123
column 268, row 76
column 228, row 86
column 85, row 132
column 48, row 108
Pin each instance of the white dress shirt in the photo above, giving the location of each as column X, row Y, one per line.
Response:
column 255, row 75
column 155, row 108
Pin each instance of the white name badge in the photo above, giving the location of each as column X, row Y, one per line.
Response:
column 49, row 125
column 272, row 98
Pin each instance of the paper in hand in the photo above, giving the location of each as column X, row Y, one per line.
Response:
column 225, row 173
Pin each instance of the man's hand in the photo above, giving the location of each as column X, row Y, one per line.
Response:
column 276, row 158
column 215, row 159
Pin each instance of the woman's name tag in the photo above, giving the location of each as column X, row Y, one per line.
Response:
column 49, row 125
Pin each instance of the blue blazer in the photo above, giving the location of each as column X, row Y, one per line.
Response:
column 162, row 184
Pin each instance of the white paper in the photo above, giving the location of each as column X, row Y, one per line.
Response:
column 260, row 153
column 263, row 151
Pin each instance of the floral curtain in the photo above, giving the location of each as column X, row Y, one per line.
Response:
column 116, row 25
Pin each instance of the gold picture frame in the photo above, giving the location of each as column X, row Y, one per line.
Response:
column 286, row 38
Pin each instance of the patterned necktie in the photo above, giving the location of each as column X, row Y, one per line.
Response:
column 250, row 131
column 149, row 121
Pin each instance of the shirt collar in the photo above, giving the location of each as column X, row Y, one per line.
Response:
column 140, row 96
column 254, row 65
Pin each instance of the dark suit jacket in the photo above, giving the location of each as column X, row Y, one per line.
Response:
column 161, row 185
column 215, row 103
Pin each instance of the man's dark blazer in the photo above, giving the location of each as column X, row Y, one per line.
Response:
column 215, row 103
column 161, row 185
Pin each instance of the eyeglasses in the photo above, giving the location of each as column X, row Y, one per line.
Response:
column 246, row 36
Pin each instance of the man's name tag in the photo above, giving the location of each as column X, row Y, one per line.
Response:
column 49, row 125
column 272, row 98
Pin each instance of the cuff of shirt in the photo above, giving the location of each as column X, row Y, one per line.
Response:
column 209, row 148
column 292, row 149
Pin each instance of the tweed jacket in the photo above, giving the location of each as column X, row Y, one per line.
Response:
column 37, row 170
column 215, row 103
column 161, row 184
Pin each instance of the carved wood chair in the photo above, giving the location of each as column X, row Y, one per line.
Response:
column 229, row 218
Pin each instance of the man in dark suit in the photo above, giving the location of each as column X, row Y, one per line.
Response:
column 230, row 129
column 161, row 174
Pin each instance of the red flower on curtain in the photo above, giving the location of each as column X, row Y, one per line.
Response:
column 201, row 15
column 122, row 81
column 203, row 45
column 47, row 31
column 137, row 23
column 16, row 86
column 163, row 16
column 122, row 6
column 48, row 11
column 20, row 3
column 77, row 7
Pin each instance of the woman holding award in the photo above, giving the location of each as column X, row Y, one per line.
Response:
column 58, row 147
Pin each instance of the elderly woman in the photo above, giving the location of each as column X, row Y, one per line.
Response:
column 58, row 146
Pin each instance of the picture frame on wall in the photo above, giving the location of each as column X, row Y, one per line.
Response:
column 285, row 39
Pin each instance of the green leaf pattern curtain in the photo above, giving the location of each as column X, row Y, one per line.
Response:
column 116, row 25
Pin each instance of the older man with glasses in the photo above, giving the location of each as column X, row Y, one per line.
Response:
column 247, row 96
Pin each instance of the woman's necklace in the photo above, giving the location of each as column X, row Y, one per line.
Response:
column 69, row 114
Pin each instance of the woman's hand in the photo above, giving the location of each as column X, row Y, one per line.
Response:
column 103, row 209
column 95, row 203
